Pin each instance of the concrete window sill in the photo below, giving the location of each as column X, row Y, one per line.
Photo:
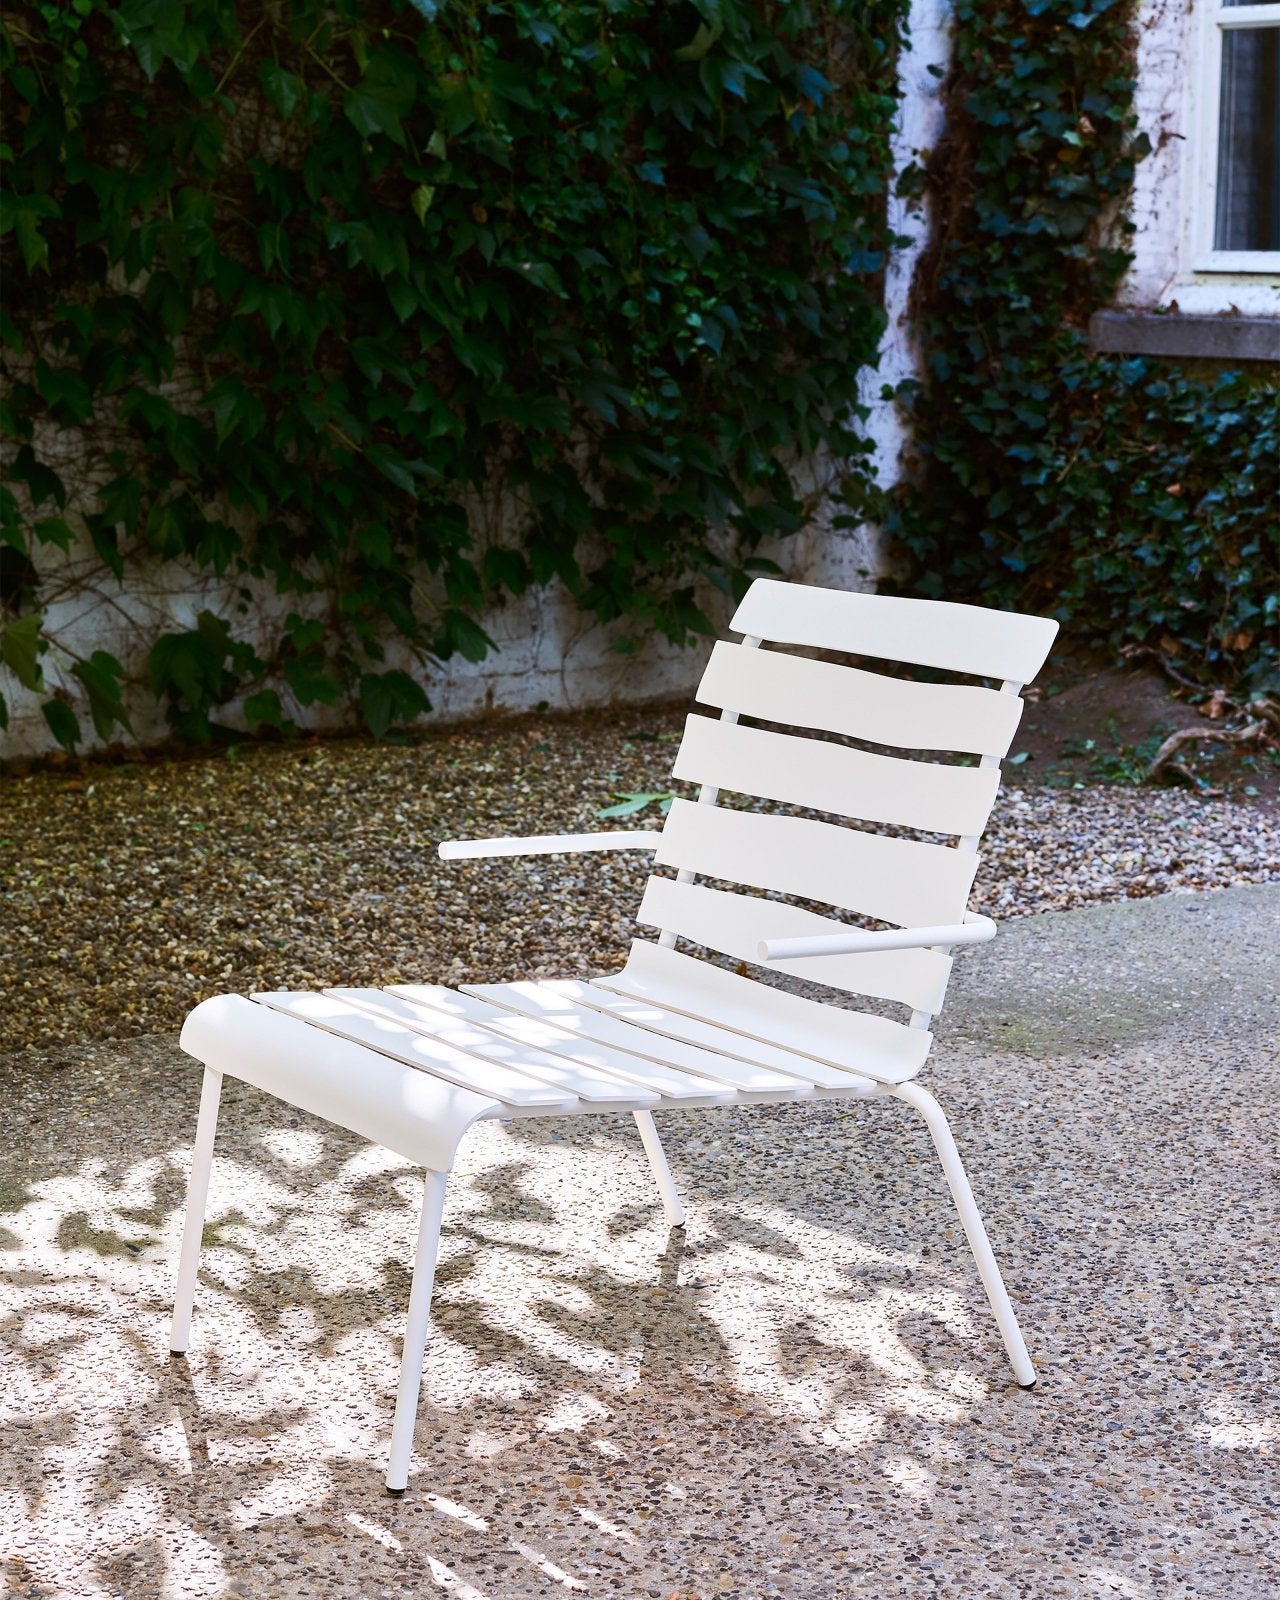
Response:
column 1223, row 338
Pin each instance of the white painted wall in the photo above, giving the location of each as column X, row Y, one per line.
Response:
column 1171, row 106
column 921, row 119
column 547, row 651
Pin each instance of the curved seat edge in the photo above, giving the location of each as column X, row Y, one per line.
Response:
column 418, row 1116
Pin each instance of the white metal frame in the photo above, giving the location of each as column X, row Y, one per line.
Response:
column 1206, row 88
column 414, row 1066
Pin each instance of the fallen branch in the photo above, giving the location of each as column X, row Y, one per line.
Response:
column 1175, row 769
column 1268, row 710
column 1175, row 742
column 1144, row 652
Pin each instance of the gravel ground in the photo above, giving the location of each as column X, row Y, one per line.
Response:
column 131, row 892
column 800, row 1396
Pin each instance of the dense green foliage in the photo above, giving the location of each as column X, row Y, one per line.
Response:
column 305, row 284
column 1140, row 502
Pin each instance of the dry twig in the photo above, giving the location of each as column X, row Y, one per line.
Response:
column 1175, row 742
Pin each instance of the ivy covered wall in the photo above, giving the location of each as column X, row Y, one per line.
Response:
column 386, row 322
column 376, row 315
column 1136, row 499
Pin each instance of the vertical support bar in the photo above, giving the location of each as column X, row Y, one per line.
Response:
column 708, row 794
column 975, row 1232
column 417, row 1326
column 672, row 1204
column 197, row 1201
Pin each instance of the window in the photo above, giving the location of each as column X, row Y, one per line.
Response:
column 1237, row 215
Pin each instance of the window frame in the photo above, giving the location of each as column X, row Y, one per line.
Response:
column 1215, row 19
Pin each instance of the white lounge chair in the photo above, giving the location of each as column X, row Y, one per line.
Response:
column 413, row 1066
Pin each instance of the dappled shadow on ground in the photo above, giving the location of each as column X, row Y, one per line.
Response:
column 801, row 1394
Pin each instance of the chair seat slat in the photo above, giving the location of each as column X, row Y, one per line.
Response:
column 861, row 705
column 559, row 1004
column 560, row 1035
column 877, row 1046
column 907, row 882
column 927, row 633
column 800, row 771
column 735, row 925
column 390, row 1038
column 677, row 1025
column 582, row 1078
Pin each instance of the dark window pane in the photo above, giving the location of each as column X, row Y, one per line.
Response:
column 1248, row 216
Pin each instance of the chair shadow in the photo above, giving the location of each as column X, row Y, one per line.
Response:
column 604, row 1398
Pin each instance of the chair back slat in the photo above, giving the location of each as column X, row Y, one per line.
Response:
column 803, row 759
column 862, row 705
column 814, row 773
column 734, row 925
column 906, row 882
column 1003, row 645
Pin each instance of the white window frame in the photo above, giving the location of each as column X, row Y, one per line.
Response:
column 1215, row 19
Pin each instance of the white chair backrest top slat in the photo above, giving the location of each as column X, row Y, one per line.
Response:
column 1003, row 645
column 793, row 690
column 906, row 882
column 821, row 776
column 734, row 925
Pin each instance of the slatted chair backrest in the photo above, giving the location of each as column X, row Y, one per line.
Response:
column 903, row 882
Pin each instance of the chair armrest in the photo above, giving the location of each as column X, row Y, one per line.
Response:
column 974, row 929
column 551, row 844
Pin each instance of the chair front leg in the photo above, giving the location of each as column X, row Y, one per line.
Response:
column 975, row 1232
column 672, row 1204
column 197, row 1201
column 416, row 1330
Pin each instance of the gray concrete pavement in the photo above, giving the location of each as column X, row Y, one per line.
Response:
column 803, row 1397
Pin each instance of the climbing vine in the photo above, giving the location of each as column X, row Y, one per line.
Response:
column 1133, row 498
column 295, row 288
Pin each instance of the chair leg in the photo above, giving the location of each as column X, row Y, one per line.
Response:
column 197, row 1200
column 962, row 1194
column 672, row 1204
column 417, row 1327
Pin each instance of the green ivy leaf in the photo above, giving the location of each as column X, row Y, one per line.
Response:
column 629, row 804
column 382, row 99
column 41, row 481
column 421, row 199
column 20, row 650
column 264, row 710
column 101, row 675
column 701, row 42
column 390, row 697
column 22, row 214
column 63, row 723
column 53, row 530
column 284, row 89
column 311, row 680
column 235, row 409
column 458, row 634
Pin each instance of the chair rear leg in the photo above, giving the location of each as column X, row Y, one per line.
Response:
column 417, row 1327
column 975, row 1232
column 672, row 1204
column 197, row 1200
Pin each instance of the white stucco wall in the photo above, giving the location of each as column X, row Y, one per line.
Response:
column 547, row 651
column 921, row 119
